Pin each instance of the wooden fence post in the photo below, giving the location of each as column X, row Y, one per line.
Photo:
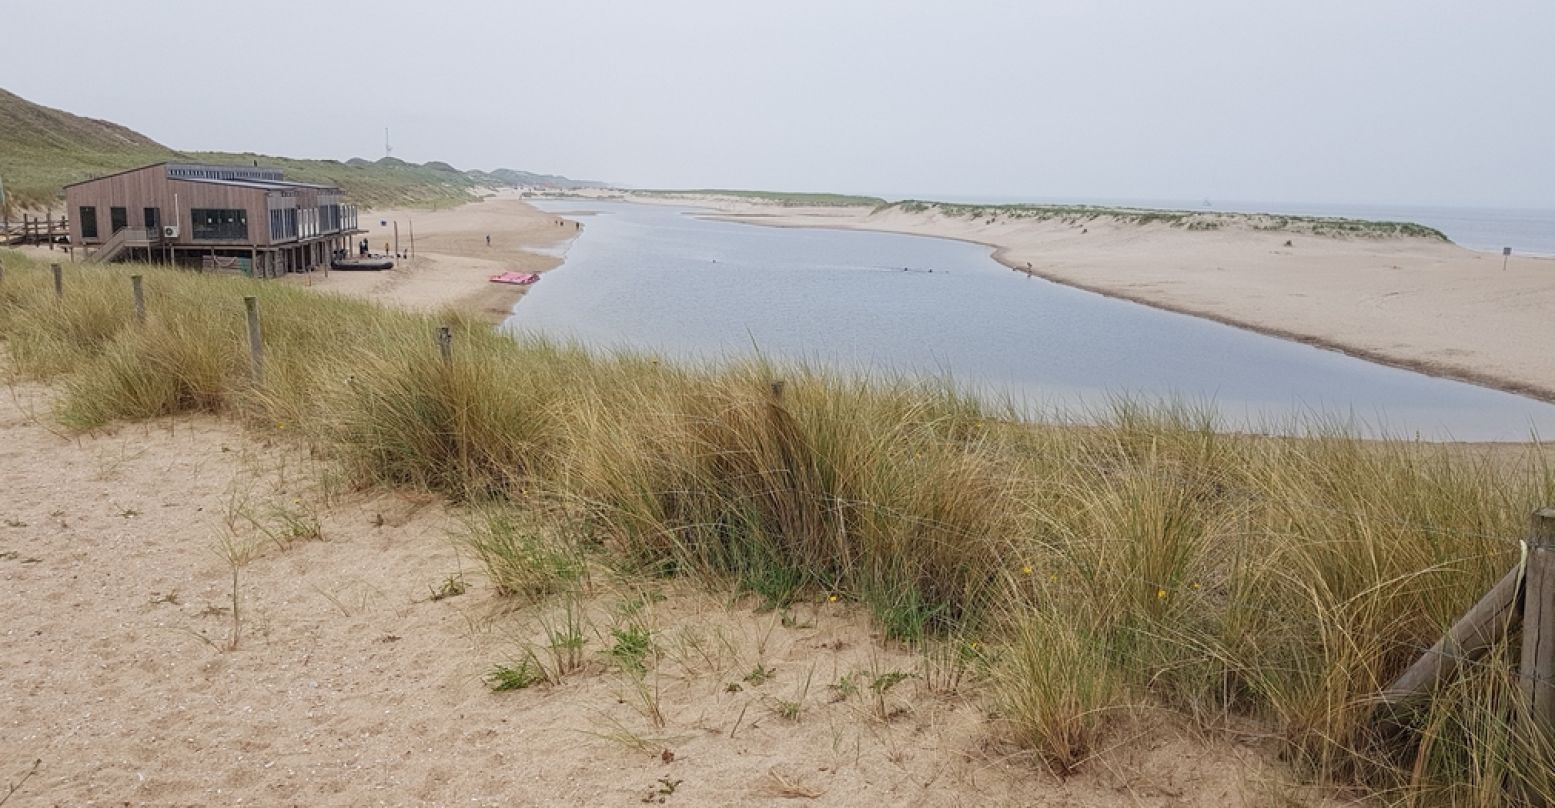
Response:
column 1538, row 662
column 256, row 349
column 140, row 299
column 445, row 344
column 59, row 280
column 1492, row 618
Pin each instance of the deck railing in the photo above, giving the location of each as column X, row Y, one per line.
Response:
column 125, row 238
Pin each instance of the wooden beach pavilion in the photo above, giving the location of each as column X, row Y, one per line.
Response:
column 235, row 217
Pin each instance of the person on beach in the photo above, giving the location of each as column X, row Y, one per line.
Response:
column 488, row 241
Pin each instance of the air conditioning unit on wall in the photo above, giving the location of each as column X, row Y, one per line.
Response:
column 170, row 231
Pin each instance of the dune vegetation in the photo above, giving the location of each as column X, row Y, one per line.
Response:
column 1078, row 215
column 1079, row 576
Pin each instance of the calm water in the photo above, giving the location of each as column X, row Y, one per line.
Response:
column 659, row 279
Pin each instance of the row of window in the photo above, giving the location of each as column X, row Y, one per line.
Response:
column 118, row 219
column 217, row 173
column 220, row 224
column 283, row 224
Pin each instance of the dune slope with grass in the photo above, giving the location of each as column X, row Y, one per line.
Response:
column 1081, row 586
column 42, row 149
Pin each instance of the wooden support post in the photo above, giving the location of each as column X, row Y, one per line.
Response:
column 445, row 344
column 256, row 348
column 1538, row 662
column 140, row 299
column 1492, row 618
column 59, row 280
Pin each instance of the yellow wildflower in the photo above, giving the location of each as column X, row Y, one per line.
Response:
column 1026, row 570
column 831, row 598
column 1160, row 594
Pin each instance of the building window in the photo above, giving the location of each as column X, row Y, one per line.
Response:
column 88, row 222
column 153, row 219
column 118, row 218
column 219, row 224
column 283, row 224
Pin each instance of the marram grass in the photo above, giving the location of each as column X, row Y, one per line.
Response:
column 1141, row 561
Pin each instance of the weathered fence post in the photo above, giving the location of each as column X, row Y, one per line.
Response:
column 140, row 299
column 59, row 280
column 1492, row 618
column 256, row 348
column 445, row 344
column 1538, row 663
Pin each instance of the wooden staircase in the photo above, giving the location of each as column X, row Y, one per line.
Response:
column 125, row 239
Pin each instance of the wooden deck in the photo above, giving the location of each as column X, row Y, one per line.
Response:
column 34, row 231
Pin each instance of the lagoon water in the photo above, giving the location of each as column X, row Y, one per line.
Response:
column 664, row 280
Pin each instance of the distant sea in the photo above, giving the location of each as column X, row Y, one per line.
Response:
column 1526, row 231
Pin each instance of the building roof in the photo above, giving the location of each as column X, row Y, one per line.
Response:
column 116, row 174
column 275, row 184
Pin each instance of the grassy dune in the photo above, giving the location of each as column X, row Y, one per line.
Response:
column 1330, row 226
column 1081, row 575
column 1080, row 215
column 42, row 149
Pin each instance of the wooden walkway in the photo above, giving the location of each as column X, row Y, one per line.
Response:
column 34, row 231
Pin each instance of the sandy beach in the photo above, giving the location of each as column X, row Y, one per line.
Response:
column 1410, row 302
column 452, row 260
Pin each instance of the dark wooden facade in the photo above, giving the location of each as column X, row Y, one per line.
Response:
column 187, row 213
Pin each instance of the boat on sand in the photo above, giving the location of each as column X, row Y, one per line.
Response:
column 366, row 263
column 515, row 278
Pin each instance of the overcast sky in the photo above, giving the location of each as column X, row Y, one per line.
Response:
column 1349, row 101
